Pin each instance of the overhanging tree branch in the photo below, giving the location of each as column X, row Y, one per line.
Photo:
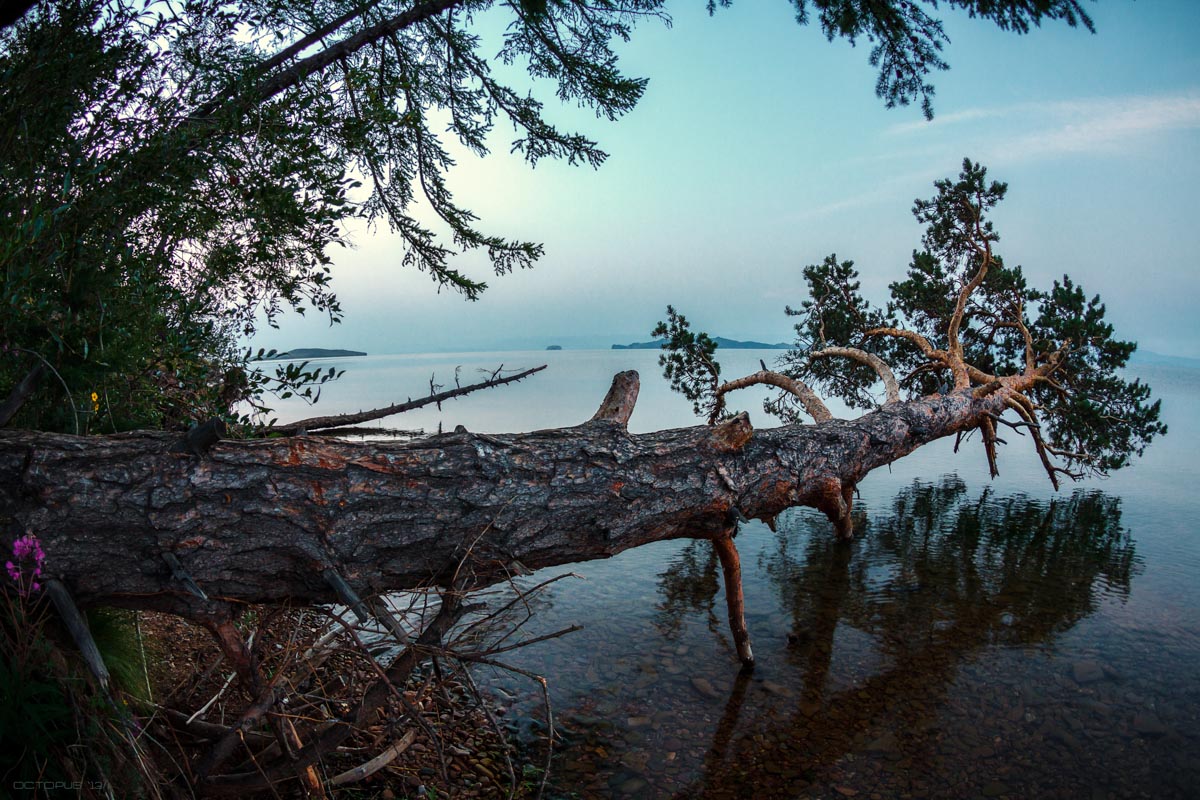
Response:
column 961, row 310
column 271, row 83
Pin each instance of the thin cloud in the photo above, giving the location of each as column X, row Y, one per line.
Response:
column 1073, row 126
column 946, row 120
column 1109, row 126
column 883, row 192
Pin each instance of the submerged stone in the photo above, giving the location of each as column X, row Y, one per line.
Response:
column 1148, row 724
column 1087, row 672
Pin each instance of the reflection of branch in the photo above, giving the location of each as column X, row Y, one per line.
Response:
column 871, row 360
column 341, row 420
column 813, row 404
column 727, row 725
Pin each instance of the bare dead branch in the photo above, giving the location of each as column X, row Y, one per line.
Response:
column 1083, row 457
column 394, row 433
column 497, row 729
column 545, row 690
column 493, row 651
column 377, row 763
column 342, row 420
column 205, row 730
column 224, row 748
column 73, row 620
column 1016, row 426
column 522, row 597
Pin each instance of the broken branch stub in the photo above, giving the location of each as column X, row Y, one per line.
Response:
column 619, row 402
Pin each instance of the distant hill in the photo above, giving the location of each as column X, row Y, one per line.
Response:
column 314, row 352
column 727, row 344
column 555, row 347
column 1159, row 360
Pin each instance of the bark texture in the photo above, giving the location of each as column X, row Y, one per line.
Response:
column 260, row 521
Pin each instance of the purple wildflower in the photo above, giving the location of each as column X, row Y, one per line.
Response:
column 26, row 548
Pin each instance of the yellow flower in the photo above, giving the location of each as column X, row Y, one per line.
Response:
column 95, row 402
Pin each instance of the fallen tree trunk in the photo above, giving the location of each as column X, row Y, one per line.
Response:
column 147, row 521
column 125, row 519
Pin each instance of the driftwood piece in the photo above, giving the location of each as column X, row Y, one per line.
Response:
column 366, row 770
column 78, row 628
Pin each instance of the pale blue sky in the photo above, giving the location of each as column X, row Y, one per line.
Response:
column 760, row 147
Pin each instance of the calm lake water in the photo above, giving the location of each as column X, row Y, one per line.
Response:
column 979, row 638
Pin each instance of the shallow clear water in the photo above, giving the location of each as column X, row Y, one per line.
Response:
column 978, row 638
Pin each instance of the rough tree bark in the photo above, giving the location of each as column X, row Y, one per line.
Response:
column 123, row 517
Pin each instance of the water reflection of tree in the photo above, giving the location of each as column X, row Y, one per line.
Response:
column 936, row 579
column 689, row 585
column 1012, row 569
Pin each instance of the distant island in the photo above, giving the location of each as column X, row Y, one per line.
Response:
column 555, row 347
column 727, row 344
column 313, row 352
column 1152, row 359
